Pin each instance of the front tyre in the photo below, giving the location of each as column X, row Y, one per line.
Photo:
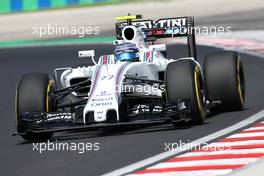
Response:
column 33, row 95
column 183, row 81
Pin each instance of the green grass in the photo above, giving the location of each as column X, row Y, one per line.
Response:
column 54, row 42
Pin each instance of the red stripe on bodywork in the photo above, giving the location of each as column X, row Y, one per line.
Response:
column 95, row 79
column 105, row 60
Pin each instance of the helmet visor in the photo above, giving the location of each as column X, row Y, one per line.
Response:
column 126, row 56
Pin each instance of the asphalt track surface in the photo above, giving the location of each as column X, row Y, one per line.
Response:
column 117, row 149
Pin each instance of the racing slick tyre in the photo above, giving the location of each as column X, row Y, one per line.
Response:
column 224, row 80
column 183, row 81
column 33, row 96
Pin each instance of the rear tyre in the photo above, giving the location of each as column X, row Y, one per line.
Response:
column 224, row 80
column 33, row 96
column 183, row 80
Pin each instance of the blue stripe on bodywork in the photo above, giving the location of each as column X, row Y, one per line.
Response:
column 118, row 80
column 96, row 76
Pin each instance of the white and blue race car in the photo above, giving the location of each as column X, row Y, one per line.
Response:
column 136, row 85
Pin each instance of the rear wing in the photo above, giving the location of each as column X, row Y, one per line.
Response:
column 162, row 28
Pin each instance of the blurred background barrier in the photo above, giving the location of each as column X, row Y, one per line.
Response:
column 10, row 6
column 21, row 27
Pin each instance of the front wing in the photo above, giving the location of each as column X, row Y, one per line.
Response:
column 63, row 121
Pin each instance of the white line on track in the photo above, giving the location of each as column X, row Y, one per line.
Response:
column 204, row 163
column 146, row 162
column 189, row 173
column 257, row 134
column 255, row 128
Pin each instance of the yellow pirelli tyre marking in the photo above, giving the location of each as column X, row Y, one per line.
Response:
column 49, row 88
column 239, row 81
column 197, row 91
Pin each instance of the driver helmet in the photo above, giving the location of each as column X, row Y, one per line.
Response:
column 126, row 52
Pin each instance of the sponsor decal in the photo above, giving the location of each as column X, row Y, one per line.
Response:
column 169, row 23
column 146, row 108
column 55, row 117
column 144, row 24
column 162, row 23
column 101, row 104
column 99, row 112
column 102, row 99
column 108, row 77
column 103, row 94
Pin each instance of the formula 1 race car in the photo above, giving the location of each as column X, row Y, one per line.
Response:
column 135, row 86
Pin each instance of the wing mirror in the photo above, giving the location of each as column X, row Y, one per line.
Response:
column 87, row 53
